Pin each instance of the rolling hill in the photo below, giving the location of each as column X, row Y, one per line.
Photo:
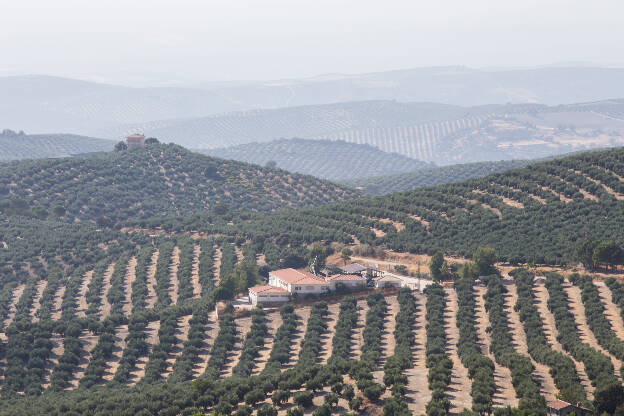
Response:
column 96, row 320
column 400, row 182
column 533, row 214
column 333, row 160
column 40, row 104
column 156, row 180
column 15, row 146
column 437, row 133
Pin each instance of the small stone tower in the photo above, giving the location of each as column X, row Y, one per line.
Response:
column 135, row 140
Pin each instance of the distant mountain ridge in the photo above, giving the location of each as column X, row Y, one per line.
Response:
column 41, row 104
column 436, row 133
column 325, row 159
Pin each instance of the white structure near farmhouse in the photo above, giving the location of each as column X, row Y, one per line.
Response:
column 267, row 294
column 286, row 282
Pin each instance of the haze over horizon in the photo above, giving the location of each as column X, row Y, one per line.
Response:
column 190, row 43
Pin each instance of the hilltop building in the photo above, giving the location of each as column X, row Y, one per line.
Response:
column 135, row 140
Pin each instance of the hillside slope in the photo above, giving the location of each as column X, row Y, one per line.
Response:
column 158, row 180
column 442, row 134
column 334, row 160
column 15, row 146
column 533, row 214
column 400, row 182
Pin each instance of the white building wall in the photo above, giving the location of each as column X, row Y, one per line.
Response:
column 309, row 289
column 273, row 298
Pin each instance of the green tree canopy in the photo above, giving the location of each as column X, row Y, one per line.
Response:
column 608, row 253
column 485, row 258
column 435, row 264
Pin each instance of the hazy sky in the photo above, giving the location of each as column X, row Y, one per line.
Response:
column 156, row 41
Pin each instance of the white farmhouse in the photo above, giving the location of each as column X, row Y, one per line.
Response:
column 297, row 281
column 286, row 282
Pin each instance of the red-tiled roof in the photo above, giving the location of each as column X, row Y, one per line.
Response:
column 345, row 277
column 267, row 289
column 299, row 277
column 558, row 404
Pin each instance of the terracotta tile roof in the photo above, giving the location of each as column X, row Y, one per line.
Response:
column 267, row 289
column 344, row 277
column 558, row 404
column 299, row 277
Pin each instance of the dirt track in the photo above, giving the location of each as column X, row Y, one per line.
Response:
column 550, row 330
column 57, row 350
column 121, row 333
column 106, row 306
column 197, row 289
column 128, row 280
column 152, row 339
column 327, row 339
column 181, row 335
column 505, row 394
column 542, row 372
column 58, row 301
column 36, row 305
column 357, row 338
column 216, row 265
column 297, row 339
column 173, row 275
column 460, row 386
column 15, row 297
column 612, row 310
column 89, row 341
column 242, row 328
column 418, row 393
column 210, row 333
column 585, row 333
column 274, row 322
column 81, row 310
column 150, row 300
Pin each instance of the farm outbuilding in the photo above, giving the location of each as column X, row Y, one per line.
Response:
column 388, row 281
column 267, row 294
column 349, row 280
column 561, row 408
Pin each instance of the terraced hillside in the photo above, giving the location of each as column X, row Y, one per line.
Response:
column 436, row 133
column 534, row 214
column 156, row 180
column 15, row 146
column 400, row 182
column 334, row 160
column 137, row 309
column 132, row 312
